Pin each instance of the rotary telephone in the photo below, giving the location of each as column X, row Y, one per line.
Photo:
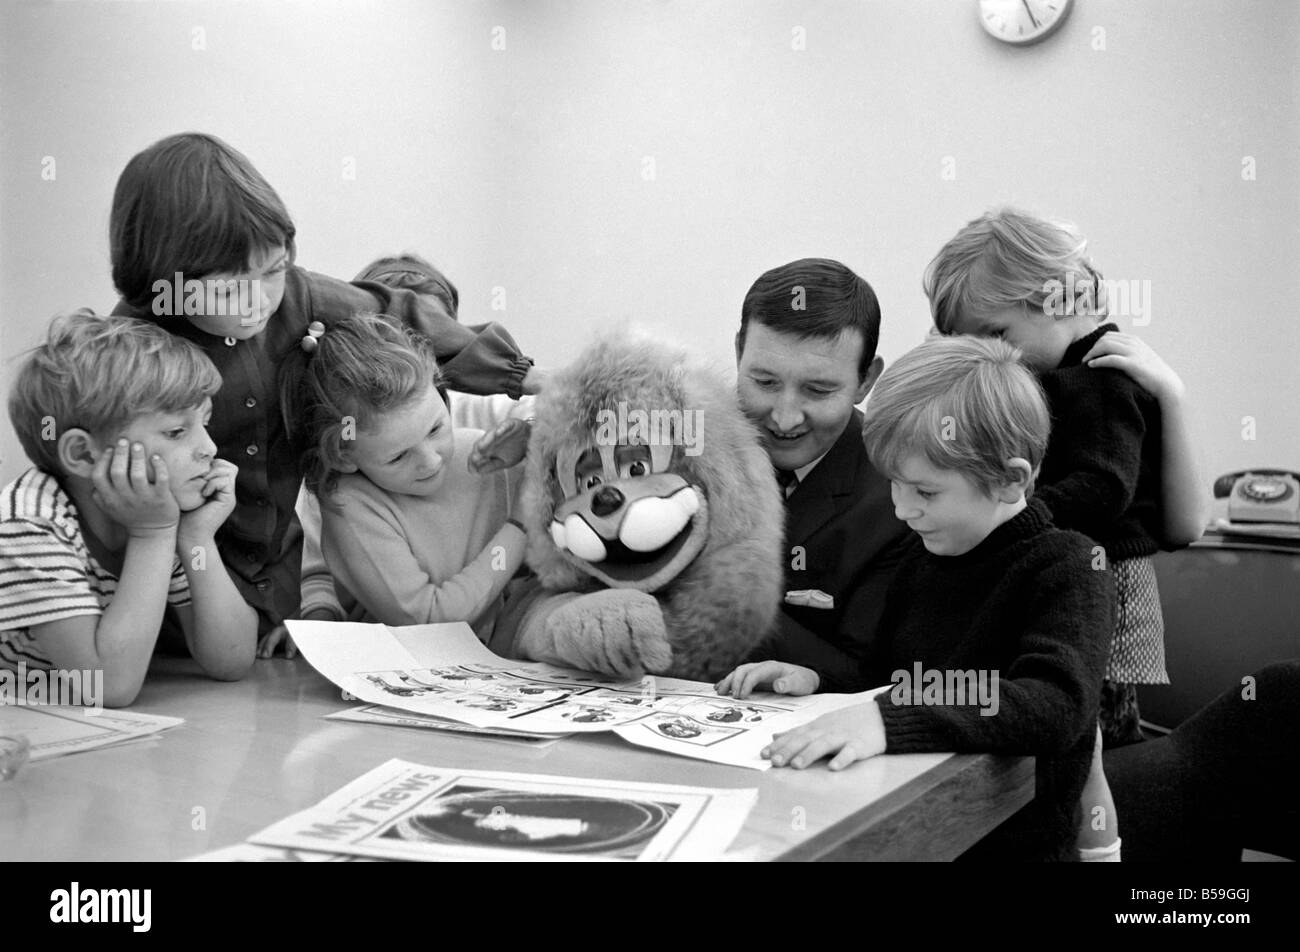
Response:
column 1261, row 495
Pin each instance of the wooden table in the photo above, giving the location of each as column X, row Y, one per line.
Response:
column 254, row 752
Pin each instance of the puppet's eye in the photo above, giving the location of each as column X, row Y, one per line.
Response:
column 592, row 481
column 636, row 467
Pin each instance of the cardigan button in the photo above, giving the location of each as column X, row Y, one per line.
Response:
column 230, row 342
column 250, row 402
column 251, row 449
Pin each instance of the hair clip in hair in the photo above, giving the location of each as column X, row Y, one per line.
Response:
column 314, row 331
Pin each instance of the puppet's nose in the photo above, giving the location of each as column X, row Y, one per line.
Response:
column 606, row 500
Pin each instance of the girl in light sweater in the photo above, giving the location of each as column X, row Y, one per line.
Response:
column 410, row 532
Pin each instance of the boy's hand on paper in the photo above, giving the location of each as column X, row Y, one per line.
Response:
column 777, row 676
column 218, row 502
column 121, row 486
column 1134, row 357
column 503, row 447
column 849, row 734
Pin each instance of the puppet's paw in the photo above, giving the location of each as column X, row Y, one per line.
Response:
column 615, row 631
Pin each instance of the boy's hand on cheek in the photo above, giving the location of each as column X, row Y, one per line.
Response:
column 849, row 734
column 218, row 502
column 122, row 488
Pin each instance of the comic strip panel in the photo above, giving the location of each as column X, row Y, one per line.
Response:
column 725, row 711
column 687, row 730
column 402, row 684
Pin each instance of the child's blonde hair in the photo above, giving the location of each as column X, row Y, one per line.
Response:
column 963, row 403
column 359, row 369
column 98, row 374
column 1008, row 258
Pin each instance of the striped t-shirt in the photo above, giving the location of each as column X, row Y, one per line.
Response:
column 46, row 571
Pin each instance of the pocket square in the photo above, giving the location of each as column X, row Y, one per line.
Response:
column 809, row 598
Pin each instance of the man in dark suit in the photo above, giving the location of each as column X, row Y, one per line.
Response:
column 806, row 355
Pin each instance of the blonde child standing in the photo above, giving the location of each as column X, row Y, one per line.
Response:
column 1108, row 472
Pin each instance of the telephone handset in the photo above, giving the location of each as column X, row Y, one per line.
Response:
column 1260, row 495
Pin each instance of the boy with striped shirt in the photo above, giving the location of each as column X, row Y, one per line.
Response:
column 115, row 523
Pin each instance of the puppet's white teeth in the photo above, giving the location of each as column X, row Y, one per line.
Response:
column 652, row 523
column 580, row 539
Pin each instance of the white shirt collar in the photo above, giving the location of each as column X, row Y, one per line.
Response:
column 803, row 471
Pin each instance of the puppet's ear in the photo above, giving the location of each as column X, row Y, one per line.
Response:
column 566, row 470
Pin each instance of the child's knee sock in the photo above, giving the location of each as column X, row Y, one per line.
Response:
column 1101, row 854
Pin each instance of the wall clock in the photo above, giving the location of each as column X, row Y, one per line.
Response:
column 1022, row 22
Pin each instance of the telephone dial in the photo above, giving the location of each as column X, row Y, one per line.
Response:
column 1261, row 495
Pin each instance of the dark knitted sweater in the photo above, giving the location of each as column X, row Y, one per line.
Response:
column 1027, row 603
column 1101, row 475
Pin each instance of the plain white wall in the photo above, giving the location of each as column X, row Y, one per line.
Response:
column 526, row 168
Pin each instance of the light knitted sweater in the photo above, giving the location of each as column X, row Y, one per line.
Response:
column 412, row 560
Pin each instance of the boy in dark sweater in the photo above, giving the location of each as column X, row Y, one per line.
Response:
column 1004, row 618
column 1027, row 280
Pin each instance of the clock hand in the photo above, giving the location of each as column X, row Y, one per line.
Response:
column 1031, row 13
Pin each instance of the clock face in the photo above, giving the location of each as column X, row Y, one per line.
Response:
column 1022, row 22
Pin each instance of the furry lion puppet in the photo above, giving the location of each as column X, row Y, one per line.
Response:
column 653, row 518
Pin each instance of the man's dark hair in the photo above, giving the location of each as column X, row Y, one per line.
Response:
column 813, row 297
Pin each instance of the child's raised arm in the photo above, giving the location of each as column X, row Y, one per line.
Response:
column 1185, row 504
column 481, row 359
